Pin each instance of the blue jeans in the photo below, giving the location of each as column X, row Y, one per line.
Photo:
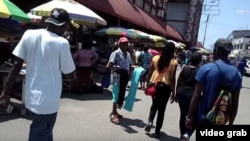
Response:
column 41, row 128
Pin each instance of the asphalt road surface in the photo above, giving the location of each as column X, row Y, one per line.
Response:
column 86, row 118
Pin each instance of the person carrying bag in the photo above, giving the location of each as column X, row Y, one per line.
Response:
column 152, row 87
column 161, row 85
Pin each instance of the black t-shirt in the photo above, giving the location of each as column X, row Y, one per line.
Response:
column 188, row 82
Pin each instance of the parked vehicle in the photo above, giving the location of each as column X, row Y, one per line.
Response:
column 247, row 68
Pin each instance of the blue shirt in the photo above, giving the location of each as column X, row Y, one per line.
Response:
column 118, row 58
column 241, row 65
column 210, row 76
column 146, row 58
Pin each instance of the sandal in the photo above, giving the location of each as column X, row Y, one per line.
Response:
column 114, row 119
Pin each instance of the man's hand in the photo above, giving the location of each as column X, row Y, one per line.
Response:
column 173, row 98
column 189, row 122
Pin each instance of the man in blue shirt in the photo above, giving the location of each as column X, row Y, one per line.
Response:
column 241, row 66
column 146, row 59
column 208, row 79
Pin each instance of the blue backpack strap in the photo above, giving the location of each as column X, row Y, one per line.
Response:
column 217, row 67
column 221, row 74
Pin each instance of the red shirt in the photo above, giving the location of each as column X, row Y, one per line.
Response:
column 85, row 57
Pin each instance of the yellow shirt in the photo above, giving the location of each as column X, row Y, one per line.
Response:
column 169, row 71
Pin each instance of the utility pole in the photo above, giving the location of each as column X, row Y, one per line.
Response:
column 204, row 39
column 210, row 9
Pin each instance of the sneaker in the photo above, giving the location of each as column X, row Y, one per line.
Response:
column 148, row 127
column 185, row 137
column 156, row 135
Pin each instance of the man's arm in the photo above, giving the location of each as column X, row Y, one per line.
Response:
column 235, row 104
column 195, row 99
column 14, row 72
column 173, row 78
column 173, row 83
column 150, row 72
column 111, row 61
column 178, row 83
column 70, row 75
column 194, row 104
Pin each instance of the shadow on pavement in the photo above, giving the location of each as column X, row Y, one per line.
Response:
column 16, row 113
column 106, row 95
column 163, row 137
column 129, row 123
column 245, row 87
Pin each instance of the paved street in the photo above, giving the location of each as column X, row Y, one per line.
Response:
column 86, row 118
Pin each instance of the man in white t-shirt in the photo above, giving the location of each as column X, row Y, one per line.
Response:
column 137, row 54
column 47, row 55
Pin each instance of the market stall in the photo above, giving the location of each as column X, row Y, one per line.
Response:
column 11, row 32
column 17, row 90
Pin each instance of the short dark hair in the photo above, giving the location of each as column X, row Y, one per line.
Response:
column 223, row 46
column 145, row 48
column 195, row 58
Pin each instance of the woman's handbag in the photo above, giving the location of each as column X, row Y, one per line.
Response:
column 151, row 88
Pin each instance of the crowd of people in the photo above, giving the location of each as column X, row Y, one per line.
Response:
column 196, row 85
column 48, row 56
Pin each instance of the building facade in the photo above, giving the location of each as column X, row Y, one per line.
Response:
column 238, row 34
column 183, row 15
column 154, row 7
column 241, row 46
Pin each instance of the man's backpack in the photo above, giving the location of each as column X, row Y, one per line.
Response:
column 219, row 113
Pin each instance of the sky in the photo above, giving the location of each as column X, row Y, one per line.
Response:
column 225, row 16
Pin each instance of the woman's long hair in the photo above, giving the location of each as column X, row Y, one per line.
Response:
column 166, row 56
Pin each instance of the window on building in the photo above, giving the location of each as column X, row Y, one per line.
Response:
column 160, row 3
column 160, row 13
column 147, row 7
column 139, row 3
column 153, row 11
column 247, row 47
column 153, row 2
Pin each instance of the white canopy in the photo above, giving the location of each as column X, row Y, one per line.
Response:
column 77, row 12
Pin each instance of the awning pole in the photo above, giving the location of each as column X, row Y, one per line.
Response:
column 119, row 21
